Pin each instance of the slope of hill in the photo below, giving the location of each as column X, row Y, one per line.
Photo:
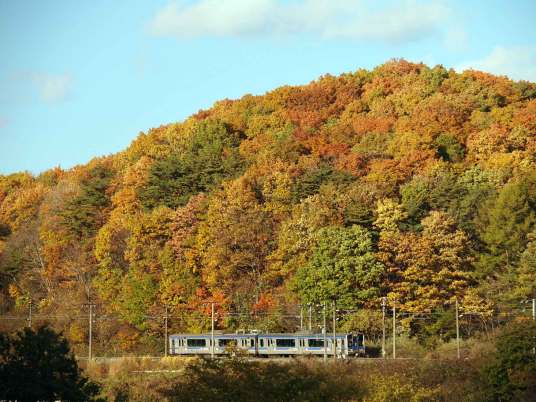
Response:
column 410, row 182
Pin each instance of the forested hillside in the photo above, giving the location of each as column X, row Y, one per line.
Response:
column 410, row 182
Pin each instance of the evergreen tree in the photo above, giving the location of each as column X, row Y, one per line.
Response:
column 38, row 366
column 506, row 222
column 210, row 157
column 524, row 280
column 311, row 181
column 81, row 215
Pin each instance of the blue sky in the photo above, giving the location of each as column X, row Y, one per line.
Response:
column 80, row 79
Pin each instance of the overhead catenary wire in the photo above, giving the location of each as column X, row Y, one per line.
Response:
column 468, row 320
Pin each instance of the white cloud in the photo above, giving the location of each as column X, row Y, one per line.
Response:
column 518, row 63
column 213, row 18
column 349, row 19
column 403, row 23
column 26, row 85
column 53, row 88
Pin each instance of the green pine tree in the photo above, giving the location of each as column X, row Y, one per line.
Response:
column 507, row 221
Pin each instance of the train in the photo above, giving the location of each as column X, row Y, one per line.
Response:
column 268, row 344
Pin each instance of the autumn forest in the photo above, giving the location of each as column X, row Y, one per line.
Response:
column 409, row 182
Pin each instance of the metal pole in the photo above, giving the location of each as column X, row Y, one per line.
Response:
column 457, row 331
column 334, row 332
column 384, row 299
column 30, row 315
column 166, row 333
column 90, row 330
column 533, row 319
column 310, row 314
column 325, row 336
column 212, row 332
column 394, row 329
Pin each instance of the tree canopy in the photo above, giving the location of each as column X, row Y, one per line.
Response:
column 342, row 268
column 409, row 182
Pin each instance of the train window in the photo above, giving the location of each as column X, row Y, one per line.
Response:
column 262, row 343
column 316, row 343
column 252, row 343
column 196, row 343
column 359, row 340
column 227, row 342
column 285, row 343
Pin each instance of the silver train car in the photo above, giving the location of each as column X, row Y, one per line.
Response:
column 266, row 344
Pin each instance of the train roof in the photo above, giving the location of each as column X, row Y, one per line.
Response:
column 264, row 335
column 216, row 335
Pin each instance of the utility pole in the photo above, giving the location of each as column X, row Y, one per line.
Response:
column 310, row 314
column 394, row 329
column 212, row 331
column 384, row 299
column 325, row 336
column 334, row 332
column 457, row 331
column 533, row 319
column 166, row 332
column 30, row 315
column 301, row 317
column 90, row 340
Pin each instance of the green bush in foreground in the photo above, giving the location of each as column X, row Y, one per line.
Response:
column 38, row 366
column 512, row 376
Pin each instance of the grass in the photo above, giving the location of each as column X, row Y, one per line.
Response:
column 371, row 380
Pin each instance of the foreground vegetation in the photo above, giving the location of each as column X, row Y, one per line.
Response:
column 37, row 365
column 507, row 373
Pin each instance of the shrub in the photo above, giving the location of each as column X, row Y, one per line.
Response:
column 38, row 365
column 512, row 376
column 242, row 380
column 392, row 389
